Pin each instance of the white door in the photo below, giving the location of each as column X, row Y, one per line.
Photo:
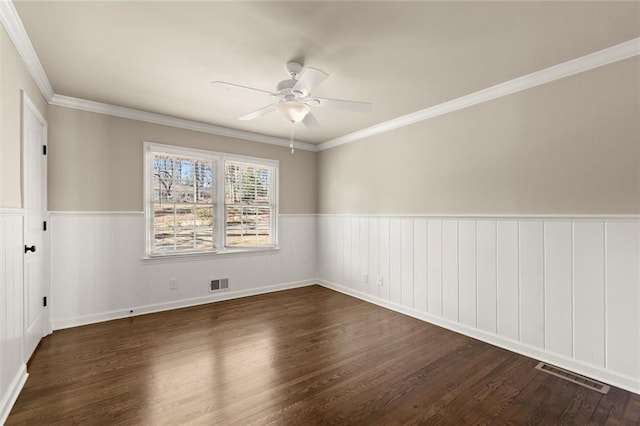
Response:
column 34, row 138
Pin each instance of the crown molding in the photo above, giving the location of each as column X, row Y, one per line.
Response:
column 16, row 31
column 166, row 120
column 18, row 35
column 597, row 59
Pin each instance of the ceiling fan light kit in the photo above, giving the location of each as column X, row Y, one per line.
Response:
column 293, row 111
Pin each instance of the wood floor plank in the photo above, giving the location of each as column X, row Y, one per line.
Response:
column 495, row 393
column 362, row 390
column 422, row 398
column 618, row 407
column 581, row 407
column 304, row 356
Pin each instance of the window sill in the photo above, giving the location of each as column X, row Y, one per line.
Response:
column 247, row 250
column 208, row 255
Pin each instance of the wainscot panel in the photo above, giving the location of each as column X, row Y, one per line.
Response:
column 561, row 289
column 98, row 272
column 13, row 373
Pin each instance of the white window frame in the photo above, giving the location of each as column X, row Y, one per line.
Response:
column 219, row 159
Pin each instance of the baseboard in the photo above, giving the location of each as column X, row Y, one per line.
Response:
column 218, row 297
column 618, row 380
column 6, row 404
column 90, row 319
column 177, row 304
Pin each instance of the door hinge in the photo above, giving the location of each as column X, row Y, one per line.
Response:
column 44, row 225
column 44, row 301
column 44, row 150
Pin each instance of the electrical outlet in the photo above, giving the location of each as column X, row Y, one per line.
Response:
column 173, row 283
column 365, row 278
column 380, row 281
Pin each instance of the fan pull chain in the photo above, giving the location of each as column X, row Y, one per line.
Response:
column 291, row 142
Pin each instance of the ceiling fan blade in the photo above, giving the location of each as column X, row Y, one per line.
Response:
column 239, row 86
column 258, row 113
column 354, row 106
column 311, row 121
column 309, row 80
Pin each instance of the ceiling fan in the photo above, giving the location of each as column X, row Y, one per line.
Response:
column 294, row 100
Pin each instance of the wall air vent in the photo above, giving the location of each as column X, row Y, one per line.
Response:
column 573, row 377
column 219, row 284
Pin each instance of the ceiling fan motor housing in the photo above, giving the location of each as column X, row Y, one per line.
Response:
column 285, row 89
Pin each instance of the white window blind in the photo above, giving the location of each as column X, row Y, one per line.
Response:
column 249, row 205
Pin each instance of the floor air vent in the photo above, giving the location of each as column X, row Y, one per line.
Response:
column 573, row 377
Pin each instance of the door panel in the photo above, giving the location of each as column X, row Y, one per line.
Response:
column 34, row 196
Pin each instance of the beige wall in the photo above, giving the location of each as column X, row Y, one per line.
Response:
column 568, row 147
column 95, row 162
column 14, row 77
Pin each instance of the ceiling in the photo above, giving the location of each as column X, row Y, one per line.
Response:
column 401, row 56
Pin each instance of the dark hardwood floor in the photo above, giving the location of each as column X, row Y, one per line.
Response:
column 303, row 356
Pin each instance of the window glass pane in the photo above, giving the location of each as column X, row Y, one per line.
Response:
column 182, row 197
column 203, row 231
column 183, row 181
column 248, row 226
column 162, row 185
column 163, row 226
column 204, row 216
column 248, row 184
column 203, row 238
column 203, row 176
column 234, row 228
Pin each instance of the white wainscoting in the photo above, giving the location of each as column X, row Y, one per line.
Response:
column 13, row 373
column 565, row 290
column 97, row 271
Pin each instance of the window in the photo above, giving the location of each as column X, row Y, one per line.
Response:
column 200, row 201
column 248, row 204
